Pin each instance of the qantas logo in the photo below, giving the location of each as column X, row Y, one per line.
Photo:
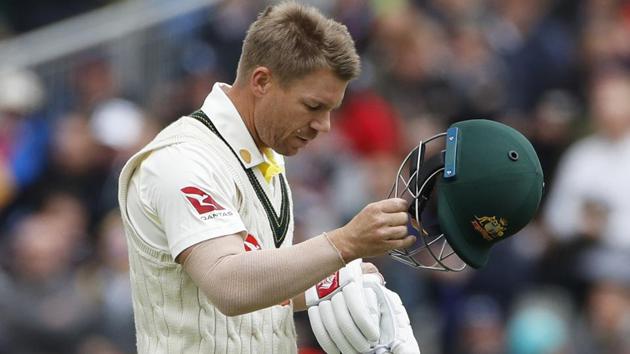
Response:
column 328, row 285
column 201, row 200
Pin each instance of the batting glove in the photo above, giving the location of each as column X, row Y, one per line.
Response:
column 396, row 334
column 344, row 314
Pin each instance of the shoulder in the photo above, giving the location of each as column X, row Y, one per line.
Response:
column 185, row 158
column 193, row 155
column 193, row 145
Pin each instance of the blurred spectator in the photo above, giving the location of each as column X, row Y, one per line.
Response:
column 371, row 129
column 93, row 81
column 43, row 310
column 605, row 325
column 358, row 16
column 478, row 75
column 590, row 196
column 107, row 282
column 606, row 31
column 69, row 212
column 540, row 325
column 119, row 144
column 410, row 51
column 554, row 117
column 98, row 345
column 369, row 124
column 107, row 119
column 77, row 164
column 197, row 69
column 23, row 133
column 481, row 330
column 226, row 31
column 537, row 49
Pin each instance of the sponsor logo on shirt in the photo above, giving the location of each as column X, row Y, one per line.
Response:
column 251, row 244
column 204, row 203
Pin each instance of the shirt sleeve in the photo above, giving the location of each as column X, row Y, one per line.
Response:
column 192, row 195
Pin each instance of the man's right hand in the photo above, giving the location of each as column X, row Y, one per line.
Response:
column 378, row 228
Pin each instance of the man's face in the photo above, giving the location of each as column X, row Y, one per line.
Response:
column 287, row 118
column 611, row 108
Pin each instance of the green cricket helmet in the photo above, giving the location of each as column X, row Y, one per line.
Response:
column 481, row 185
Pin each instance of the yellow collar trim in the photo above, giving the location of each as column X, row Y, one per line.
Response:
column 269, row 167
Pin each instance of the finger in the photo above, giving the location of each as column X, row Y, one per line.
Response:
column 361, row 312
column 319, row 331
column 355, row 266
column 397, row 218
column 349, row 329
column 372, row 303
column 387, row 321
column 397, row 232
column 368, row 267
column 328, row 318
column 394, row 205
column 405, row 341
column 406, row 242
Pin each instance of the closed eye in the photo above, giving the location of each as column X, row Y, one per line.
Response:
column 313, row 107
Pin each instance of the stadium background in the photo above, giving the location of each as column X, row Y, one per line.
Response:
column 83, row 84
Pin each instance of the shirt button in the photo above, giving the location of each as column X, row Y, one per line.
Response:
column 245, row 155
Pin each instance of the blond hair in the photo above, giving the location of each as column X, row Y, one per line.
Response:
column 293, row 40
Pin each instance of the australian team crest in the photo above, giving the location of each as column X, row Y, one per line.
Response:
column 490, row 227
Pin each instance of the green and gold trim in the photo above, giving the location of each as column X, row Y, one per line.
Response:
column 279, row 225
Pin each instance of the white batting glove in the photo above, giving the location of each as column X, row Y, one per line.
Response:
column 396, row 334
column 344, row 314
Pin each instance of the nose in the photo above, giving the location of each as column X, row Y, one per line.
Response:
column 322, row 123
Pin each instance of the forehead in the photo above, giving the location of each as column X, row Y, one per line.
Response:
column 321, row 85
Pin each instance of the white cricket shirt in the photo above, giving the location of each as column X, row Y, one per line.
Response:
column 186, row 186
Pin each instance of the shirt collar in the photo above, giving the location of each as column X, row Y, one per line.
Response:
column 221, row 111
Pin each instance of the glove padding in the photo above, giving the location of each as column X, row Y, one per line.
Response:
column 352, row 312
column 396, row 334
column 344, row 314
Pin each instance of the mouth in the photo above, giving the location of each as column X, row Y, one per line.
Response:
column 302, row 140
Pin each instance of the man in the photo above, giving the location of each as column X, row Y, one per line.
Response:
column 589, row 198
column 208, row 212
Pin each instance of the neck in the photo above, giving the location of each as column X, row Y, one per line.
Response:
column 244, row 103
column 616, row 135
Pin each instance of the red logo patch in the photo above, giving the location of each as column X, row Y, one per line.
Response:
column 251, row 244
column 328, row 285
column 201, row 200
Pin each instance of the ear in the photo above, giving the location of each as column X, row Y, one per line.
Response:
column 261, row 81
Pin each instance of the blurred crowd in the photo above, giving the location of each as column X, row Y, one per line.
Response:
column 557, row 70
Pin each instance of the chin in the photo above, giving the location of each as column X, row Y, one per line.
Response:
column 286, row 150
column 290, row 152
